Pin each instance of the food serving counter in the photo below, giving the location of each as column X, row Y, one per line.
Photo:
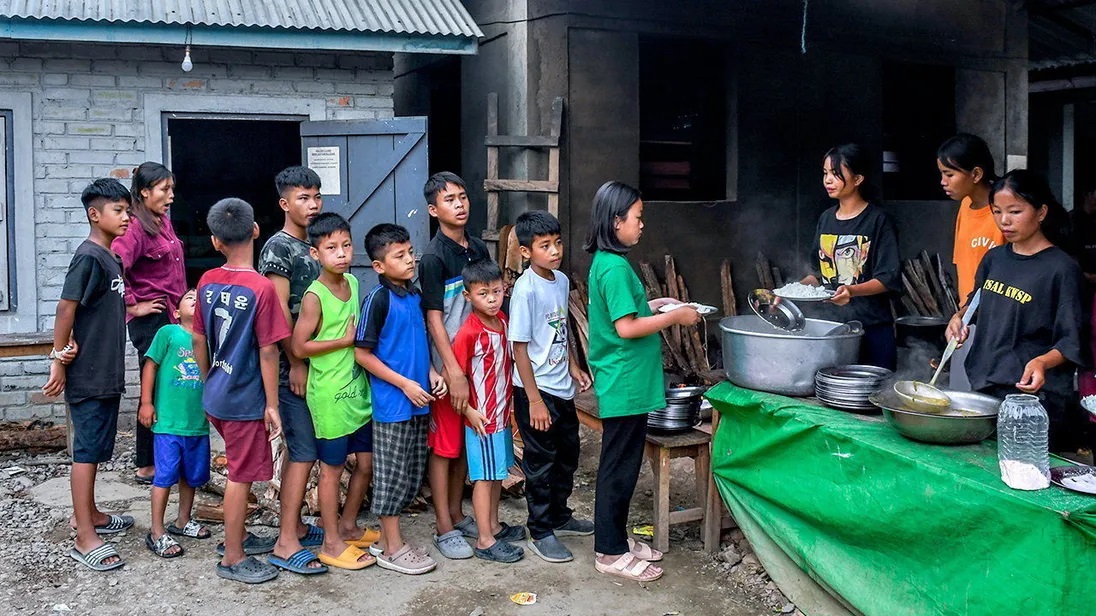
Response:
column 889, row 526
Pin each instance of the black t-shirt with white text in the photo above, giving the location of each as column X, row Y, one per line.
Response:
column 1030, row 305
column 95, row 282
column 855, row 251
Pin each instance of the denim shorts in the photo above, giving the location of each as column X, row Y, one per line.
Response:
column 94, row 427
column 300, row 435
column 333, row 451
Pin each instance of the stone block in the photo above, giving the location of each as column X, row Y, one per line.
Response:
column 317, row 60
column 30, row 65
column 73, row 64
column 92, row 157
column 128, row 81
column 55, row 79
column 272, row 87
column 90, row 129
column 114, row 114
column 317, row 87
column 62, row 110
column 94, row 80
column 66, row 143
column 117, row 98
column 76, row 95
column 48, row 128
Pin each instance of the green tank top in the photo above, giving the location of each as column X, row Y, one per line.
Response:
column 338, row 389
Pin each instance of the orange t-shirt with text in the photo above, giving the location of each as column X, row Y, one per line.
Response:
column 975, row 234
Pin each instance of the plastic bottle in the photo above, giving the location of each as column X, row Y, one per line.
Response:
column 1022, row 433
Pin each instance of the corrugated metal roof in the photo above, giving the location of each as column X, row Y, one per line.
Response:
column 437, row 17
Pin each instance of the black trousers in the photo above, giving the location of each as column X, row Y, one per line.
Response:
column 622, row 442
column 878, row 347
column 549, row 462
column 141, row 332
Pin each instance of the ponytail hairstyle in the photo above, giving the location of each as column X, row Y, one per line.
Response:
column 1033, row 188
column 964, row 152
column 612, row 201
column 854, row 157
column 147, row 175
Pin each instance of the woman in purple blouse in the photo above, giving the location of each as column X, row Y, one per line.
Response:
column 152, row 258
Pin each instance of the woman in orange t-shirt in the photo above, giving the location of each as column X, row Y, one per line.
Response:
column 966, row 175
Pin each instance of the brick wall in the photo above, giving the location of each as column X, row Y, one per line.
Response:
column 88, row 121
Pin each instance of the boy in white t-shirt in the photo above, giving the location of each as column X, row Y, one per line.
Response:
column 545, row 379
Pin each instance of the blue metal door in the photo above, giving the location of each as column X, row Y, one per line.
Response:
column 373, row 171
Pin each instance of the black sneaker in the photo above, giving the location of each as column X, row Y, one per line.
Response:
column 510, row 533
column 550, row 549
column 575, row 528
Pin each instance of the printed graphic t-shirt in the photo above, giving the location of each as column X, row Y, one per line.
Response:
column 538, row 316
column 289, row 258
column 1030, row 305
column 238, row 313
column 855, row 251
column 95, row 282
column 627, row 371
column 392, row 325
column 484, row 357
column 179, row 388
column 338, row 390
column 442, row 283
column 975, row 234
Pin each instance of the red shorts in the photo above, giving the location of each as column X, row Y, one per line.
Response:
column 446, row 436
column 247, row 449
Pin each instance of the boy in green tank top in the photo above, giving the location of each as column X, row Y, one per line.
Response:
column 337, row 392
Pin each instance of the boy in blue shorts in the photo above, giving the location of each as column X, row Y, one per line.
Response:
column 171, row 406
column 483, row 354
column 286, row 261
column 237, row 328
column 338, row 392
column 391, row 345
column 88, row 365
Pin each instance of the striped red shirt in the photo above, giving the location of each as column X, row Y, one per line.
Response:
column 484, row 356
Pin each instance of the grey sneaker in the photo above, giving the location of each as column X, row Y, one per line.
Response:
column 575, row 528
column 453, row 546
column 550, row 549
column 467, row 527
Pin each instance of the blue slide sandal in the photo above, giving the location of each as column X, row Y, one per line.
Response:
column 298, row 563
column 313, row 538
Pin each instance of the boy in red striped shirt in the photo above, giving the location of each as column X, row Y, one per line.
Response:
column 483, row 353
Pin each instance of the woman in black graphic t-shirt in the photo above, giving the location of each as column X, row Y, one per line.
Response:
column 1029, row 320
column 856, row 246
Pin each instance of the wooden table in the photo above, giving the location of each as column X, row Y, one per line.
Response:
column 25, row 345
column 659, row 450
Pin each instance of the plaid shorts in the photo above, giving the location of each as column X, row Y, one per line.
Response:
column 399, row 463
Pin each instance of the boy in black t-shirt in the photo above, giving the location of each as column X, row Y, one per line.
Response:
column 92, row 312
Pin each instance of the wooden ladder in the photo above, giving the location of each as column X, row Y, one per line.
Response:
column 495, row 185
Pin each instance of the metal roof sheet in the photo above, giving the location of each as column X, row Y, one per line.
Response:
column 431, row 17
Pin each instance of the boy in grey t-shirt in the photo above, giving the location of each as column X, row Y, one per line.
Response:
column 545, row 379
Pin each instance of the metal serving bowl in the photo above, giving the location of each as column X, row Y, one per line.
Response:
column 971, row 418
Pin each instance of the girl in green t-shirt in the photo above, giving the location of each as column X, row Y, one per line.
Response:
column 626, row 362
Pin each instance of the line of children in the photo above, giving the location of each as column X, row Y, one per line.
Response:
column 234, row 356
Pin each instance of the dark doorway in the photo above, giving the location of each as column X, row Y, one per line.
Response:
column 223, row 157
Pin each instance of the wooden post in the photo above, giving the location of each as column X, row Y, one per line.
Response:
column 491, row 232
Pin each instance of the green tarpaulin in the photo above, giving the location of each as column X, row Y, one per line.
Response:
column 897, row 527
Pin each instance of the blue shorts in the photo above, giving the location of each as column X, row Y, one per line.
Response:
column 489, row 457
column 94, row 427
column 180, row 456
column 300, row 435
column 333, row 451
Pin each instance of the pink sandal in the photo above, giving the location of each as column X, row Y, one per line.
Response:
column 640, row 550
column 629, row 567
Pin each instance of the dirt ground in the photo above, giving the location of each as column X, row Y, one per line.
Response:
column 37, row 576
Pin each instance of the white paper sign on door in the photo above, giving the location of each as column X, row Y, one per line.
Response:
column 325, row 162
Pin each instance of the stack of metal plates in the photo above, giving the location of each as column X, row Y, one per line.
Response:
column 847, row 387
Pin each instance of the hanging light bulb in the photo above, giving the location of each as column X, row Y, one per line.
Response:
column 187, row 65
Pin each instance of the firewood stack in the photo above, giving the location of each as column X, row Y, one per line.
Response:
column 930, row 291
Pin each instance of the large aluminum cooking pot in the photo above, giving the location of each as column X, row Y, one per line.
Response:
column 758, row 356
